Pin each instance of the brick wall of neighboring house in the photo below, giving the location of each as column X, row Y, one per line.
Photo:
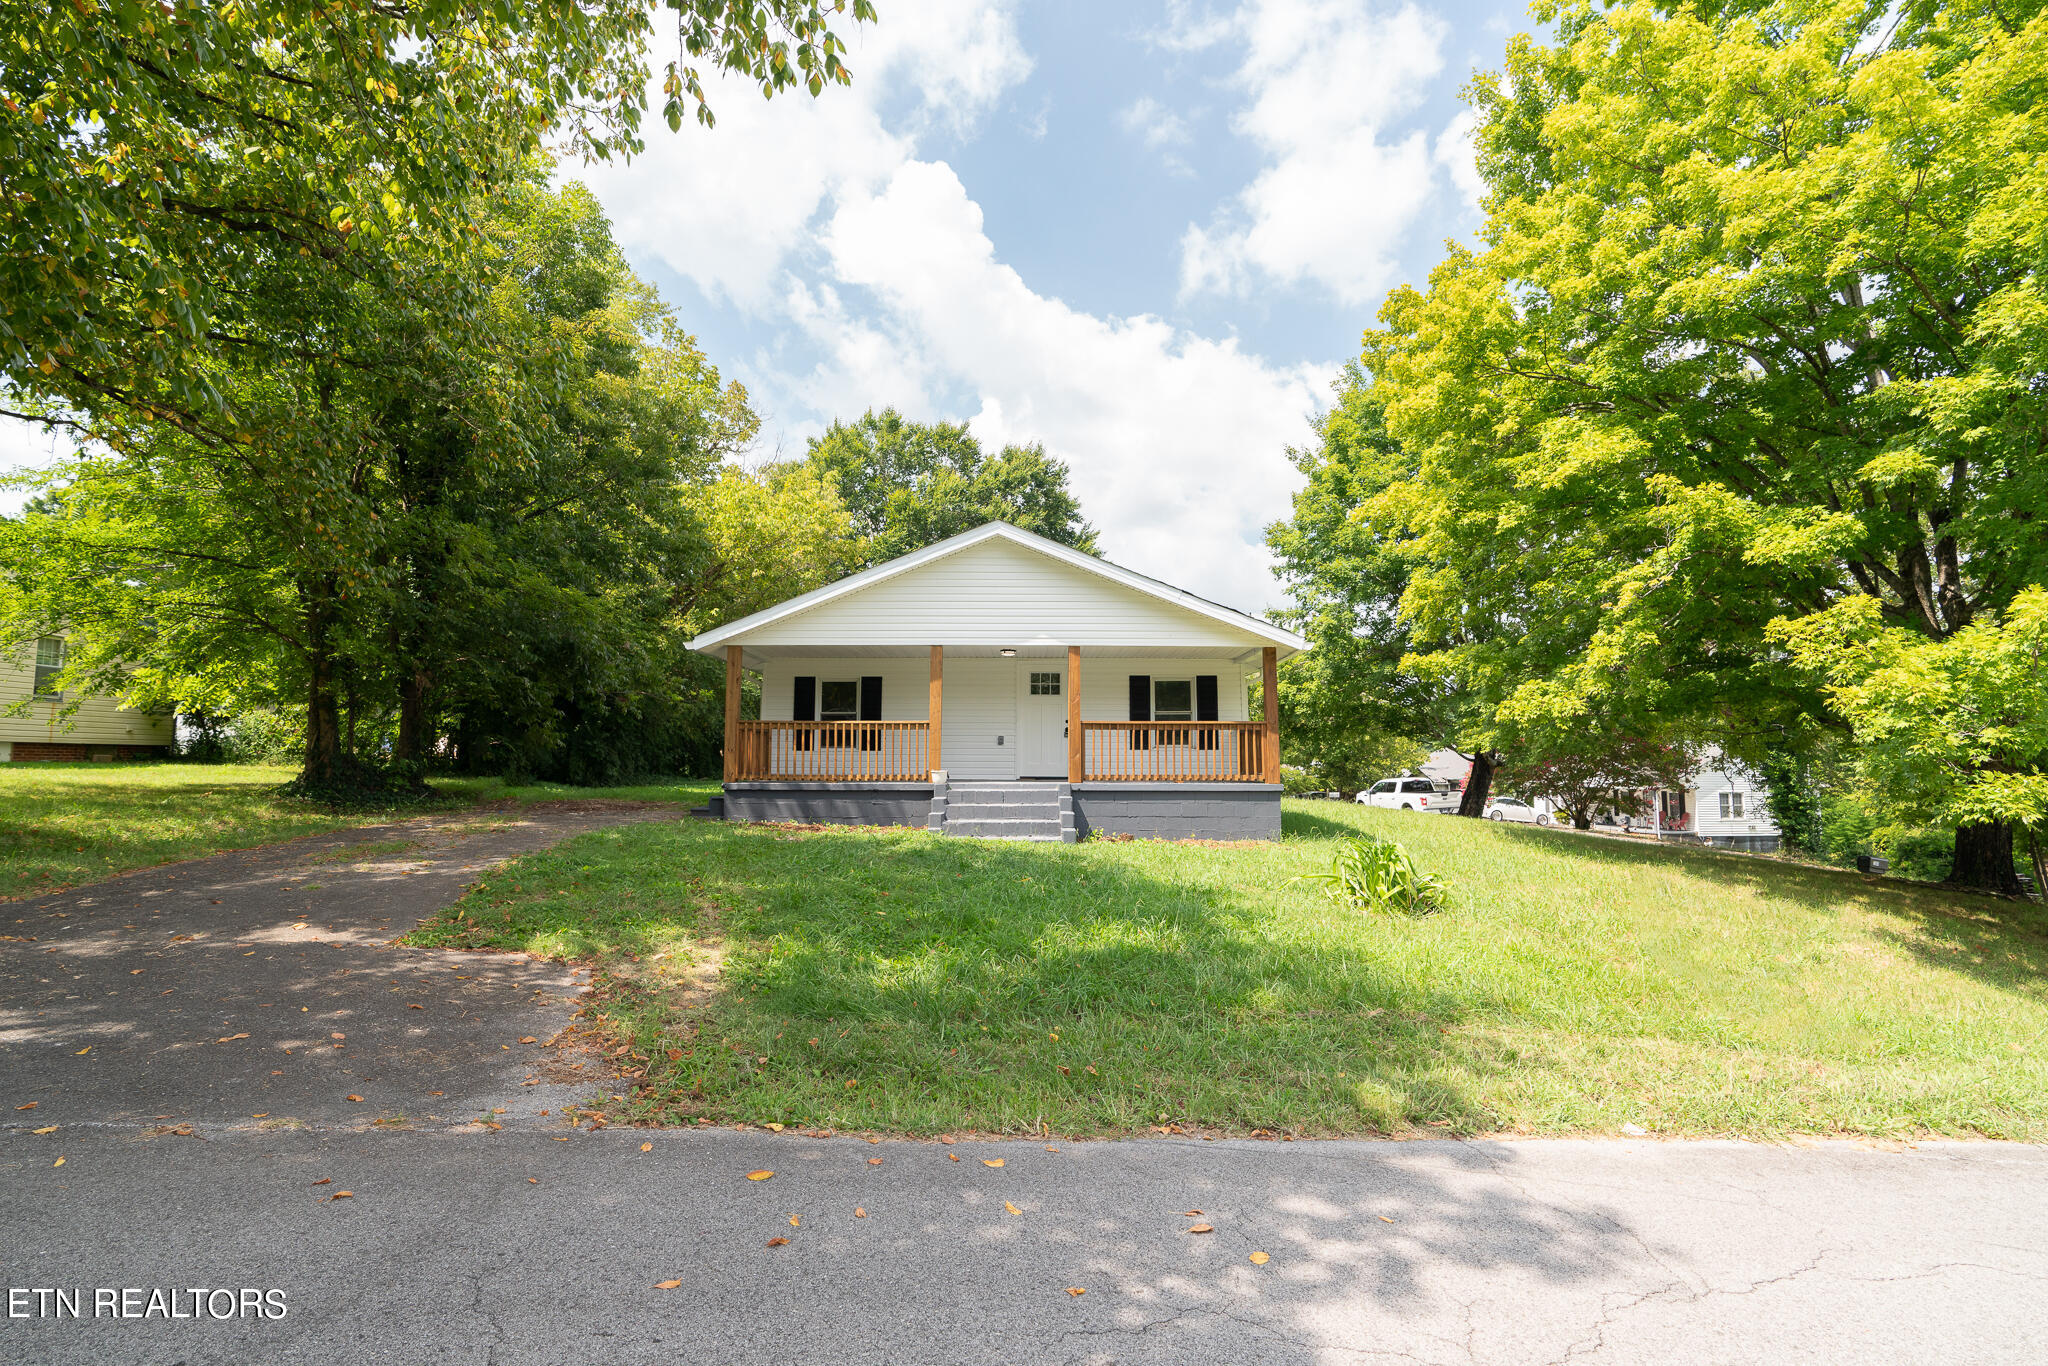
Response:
column 34, row 751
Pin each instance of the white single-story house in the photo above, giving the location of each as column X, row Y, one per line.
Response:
column 99, row 727
column 1004, row 685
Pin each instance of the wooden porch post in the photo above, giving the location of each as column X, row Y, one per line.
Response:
column 1076, row 754
column 1269, row 677
column 734, row 654
column 937, row 707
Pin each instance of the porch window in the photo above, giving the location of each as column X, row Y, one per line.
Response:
column 49, row 663
column 839, row 700
column 1173, row 699
column 1045, row 685
column 1731, row 806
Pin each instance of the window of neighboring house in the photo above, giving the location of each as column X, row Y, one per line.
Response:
column 1173, row 699
column 49, row 663
column 1731, row 806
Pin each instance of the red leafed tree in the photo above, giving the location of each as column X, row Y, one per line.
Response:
column 1584, row 773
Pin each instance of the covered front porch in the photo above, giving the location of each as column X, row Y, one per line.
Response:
column 837, row 714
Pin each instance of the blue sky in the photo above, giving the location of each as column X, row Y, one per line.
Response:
column 1146, row 234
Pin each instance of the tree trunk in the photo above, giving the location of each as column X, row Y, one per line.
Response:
column 323, row 710
column 1983, row 858
column 411, row 746
column 1479, row 787
column 1582, row 820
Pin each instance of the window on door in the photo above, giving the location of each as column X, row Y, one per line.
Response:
column 49, row 663
column 1731, row 806
column 1045, row 685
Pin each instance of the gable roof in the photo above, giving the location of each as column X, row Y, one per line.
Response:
column 1263, row 631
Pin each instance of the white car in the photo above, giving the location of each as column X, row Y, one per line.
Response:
column 1408, row 794
column 1514, row 809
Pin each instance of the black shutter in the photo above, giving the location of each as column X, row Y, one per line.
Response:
column 804, row 707
column 1141, row 709
column 871, row 709
column 1205, row 709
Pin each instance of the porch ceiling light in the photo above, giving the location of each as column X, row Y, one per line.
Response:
column 1008, row 652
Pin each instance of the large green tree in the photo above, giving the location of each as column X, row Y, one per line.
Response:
column 1756, row 328
column 907, row 484
column 520, row 534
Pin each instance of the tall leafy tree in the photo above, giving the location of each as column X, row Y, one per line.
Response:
column 908, row 484
column 1755, row 331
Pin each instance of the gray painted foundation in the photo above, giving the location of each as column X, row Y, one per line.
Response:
column 1171, row 811
column 1179, row 811
column 830, row 803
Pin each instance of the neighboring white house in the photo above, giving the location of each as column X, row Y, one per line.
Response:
column 1723, row 804
column 100, row 727
column 999, row 683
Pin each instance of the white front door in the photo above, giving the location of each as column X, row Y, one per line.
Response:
column 1041, row 719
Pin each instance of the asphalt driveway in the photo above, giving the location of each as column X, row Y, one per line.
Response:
column 261, row 989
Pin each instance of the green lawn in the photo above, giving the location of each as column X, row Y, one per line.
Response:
column 890, row 980
column 64, row 824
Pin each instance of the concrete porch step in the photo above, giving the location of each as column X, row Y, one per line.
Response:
column 1034, row 810
column 974, row 810
column 1004, row 829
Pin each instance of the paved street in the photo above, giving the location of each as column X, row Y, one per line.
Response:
column 192, row 1037
column 515, row 1248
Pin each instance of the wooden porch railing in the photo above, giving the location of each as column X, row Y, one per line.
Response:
column 833, row 751
column 1173, row 751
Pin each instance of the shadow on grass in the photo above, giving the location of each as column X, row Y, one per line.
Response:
column 2003, row 943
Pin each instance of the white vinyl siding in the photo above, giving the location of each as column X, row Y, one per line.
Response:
column 97, row 721
column 981, row 696
column 996, row 592
column 1718, row 791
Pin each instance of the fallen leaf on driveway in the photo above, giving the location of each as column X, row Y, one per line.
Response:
column 1011, row 1208
column 30, row 1106
column 529, row 1039
column 533, row 1181
column 1192, row 1213
column 666, row 1285
column 793, row 1223
column 135, row 972
column 83, row 1051
column 1385, row 1220
column 991, row 1162
column 343, row 1195
column 859, row 1213
column 337, row 1036
column 413, row 1007
column 1203, row 1228
column 1075, row 1290
column 778, row 1242
column 759, row 1176
column 325, row 1180
column 646, row 1147
column 230, row 1038
column 954, row 1156
column 58, row 1163
column 51, row 1130
column 561, row 1138
column 357, row 1099
column 874, row 1162
column 1260, row 1259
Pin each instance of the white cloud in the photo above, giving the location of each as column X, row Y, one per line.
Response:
column 726, row 208
column 1323, row 80
column 1455, row 153
column 1175, row 440
column 1154, row 124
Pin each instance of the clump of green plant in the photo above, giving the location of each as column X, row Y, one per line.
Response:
column 1379, row 875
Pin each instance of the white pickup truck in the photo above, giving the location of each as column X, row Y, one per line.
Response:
column 1409, row 794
